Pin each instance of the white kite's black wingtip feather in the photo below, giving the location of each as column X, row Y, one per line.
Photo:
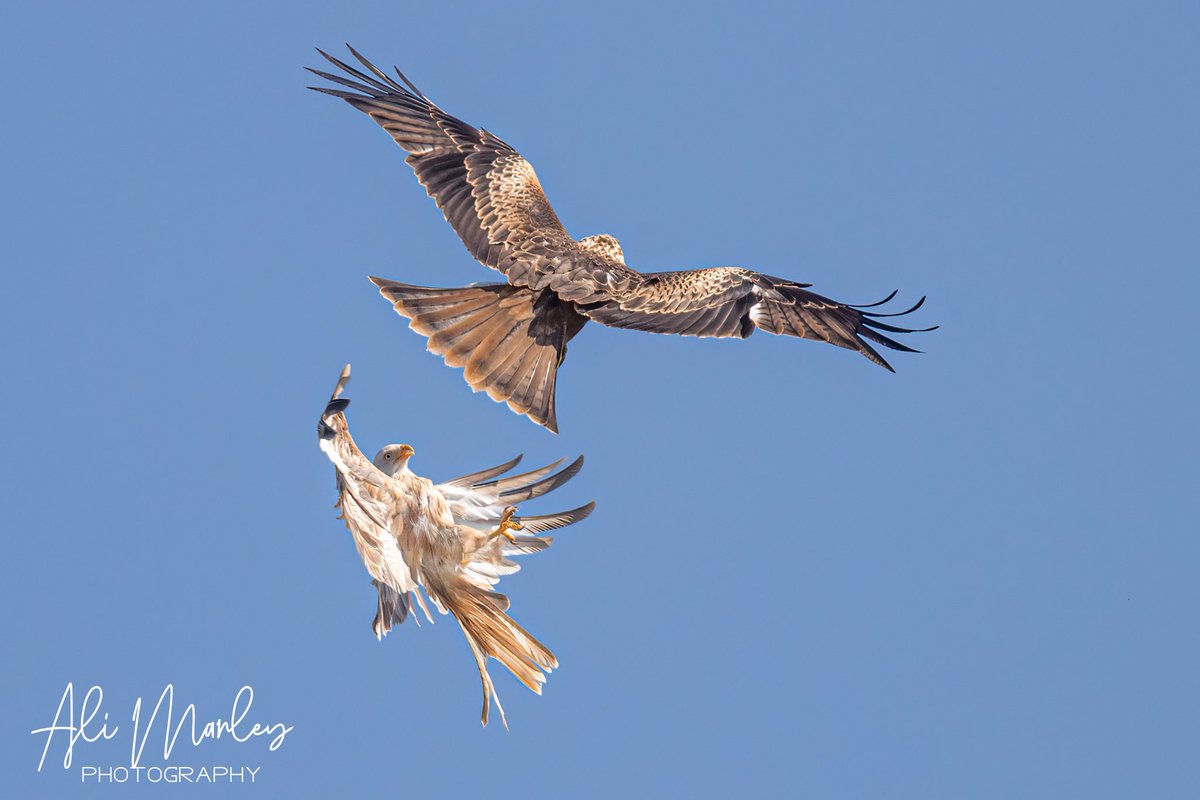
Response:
column 545, row 522
column 540, row 487
column 337, row 406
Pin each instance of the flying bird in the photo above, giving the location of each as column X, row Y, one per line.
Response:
column 453, row 540
column 511, row 337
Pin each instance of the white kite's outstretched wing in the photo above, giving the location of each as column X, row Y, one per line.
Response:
column 478, row 502
column 479, row 499
column 488, row 556
column 367, row 501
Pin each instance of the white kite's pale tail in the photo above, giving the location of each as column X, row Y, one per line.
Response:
column 491, row 633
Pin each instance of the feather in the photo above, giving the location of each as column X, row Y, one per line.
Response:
column 541, row 487
column 549, row 522
column 477, row 478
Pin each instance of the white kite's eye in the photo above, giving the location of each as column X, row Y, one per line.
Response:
column 387, row 455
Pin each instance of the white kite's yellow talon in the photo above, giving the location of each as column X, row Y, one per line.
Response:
column 508, row 524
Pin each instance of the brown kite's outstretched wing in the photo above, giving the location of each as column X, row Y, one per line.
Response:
column 487, row 191
column 732, row 302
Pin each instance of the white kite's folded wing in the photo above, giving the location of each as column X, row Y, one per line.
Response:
column 367, row 503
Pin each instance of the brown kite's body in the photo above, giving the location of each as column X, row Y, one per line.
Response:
column 511, row 337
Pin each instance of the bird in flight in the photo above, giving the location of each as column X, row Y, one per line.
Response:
column 511, row 337
column 454, row 540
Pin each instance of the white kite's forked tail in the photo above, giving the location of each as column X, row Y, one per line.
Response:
column 491, row 633
column 509, row 340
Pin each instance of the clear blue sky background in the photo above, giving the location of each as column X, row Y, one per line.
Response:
column 974, row 578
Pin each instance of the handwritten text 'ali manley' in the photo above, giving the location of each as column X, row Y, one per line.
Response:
column 213, row 729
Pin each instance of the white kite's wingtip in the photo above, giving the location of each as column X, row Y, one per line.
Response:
column 343, row 379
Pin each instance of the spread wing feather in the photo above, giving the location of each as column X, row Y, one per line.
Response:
column 521, row 490
column 733, row 302
column 549, row 522
column 485, row 474
column 481, row 503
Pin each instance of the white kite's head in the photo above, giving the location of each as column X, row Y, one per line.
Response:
column 393, row 458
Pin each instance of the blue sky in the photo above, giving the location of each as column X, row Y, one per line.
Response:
column 974, row 578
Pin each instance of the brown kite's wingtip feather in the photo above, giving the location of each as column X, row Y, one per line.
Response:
column 877, row 302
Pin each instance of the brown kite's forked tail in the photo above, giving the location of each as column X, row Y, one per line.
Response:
column 491, row 633
column 510, row 340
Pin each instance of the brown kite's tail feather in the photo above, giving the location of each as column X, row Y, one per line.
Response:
column 509, row 340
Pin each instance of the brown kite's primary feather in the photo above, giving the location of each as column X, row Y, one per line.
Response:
column 510, row 338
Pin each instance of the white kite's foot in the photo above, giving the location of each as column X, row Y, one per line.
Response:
column 507, row 523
